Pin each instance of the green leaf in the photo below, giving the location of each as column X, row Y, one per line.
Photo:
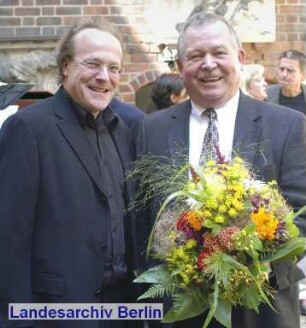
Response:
column 213, row 305
column 155, row 291
column 153, row 275
column 224, row 313
column 288, row 250
column 185, row 307
column 249, row 228
column 257, row 243
column 290, row 225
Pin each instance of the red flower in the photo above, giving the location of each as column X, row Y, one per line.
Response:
column 205, row 253
column 182, row 222
column 225, row 239
column 210, row 242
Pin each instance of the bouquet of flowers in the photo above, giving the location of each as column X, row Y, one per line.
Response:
column 217, row 235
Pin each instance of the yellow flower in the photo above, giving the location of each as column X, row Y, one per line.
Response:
column 219, row 219
column 228, row 201
column 238, row 189
column 206, row 214
column 232, row 212
column 191, row 243
column 211, row 204
column 237, row 204
column 222, row 209
column 265, row 224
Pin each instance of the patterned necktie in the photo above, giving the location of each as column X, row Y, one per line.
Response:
column 211, row 137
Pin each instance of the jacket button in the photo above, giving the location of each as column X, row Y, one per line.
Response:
column 103, row 247
column 98, row 292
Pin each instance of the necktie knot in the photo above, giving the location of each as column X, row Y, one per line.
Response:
column 210, row 113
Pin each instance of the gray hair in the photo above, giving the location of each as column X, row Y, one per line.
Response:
column 200, row 19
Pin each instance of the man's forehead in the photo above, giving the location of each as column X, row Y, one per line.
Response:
column 289, row 63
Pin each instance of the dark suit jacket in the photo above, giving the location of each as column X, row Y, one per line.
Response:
column 129, row 113
column 274, row 142
column 52, row 209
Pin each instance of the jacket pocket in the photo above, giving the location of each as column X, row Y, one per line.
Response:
column 48, row 284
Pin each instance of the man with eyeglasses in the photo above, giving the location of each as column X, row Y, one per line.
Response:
column 63, row 228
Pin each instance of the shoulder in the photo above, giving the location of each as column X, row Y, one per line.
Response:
column 273, row 90
column 129, row 113
column 268, row 110
column 42, row 114
column 180, row 110
column 277, row 111
column 282, row 120
column 273, row 87
column 121, row 107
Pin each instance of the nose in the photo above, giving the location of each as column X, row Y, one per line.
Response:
column 283, row 72
column 103, row 73
column 208, row 62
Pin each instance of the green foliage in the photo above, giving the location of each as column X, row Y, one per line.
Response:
column 185, row 306
column 160, row 277
column 217, row 230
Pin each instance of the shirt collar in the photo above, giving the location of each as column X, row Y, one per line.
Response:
column 106, row 115
column 231, row 106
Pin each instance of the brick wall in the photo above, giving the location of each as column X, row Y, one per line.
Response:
column 28, row 20
column 290, row 34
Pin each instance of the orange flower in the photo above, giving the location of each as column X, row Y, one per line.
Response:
column 265, row 224
column 194, row 220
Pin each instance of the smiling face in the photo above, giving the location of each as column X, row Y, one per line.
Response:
column 92, row 89
column 211, row 64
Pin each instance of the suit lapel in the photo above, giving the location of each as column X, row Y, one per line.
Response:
column 178, row 135
column 72, row 131
column 247, row 129
column 246, row 143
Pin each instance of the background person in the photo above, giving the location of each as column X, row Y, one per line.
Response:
column 290, row 90
column 253, row 81
column 63, row 232
column 168, row 90
column 210, row 57
column 129, row 113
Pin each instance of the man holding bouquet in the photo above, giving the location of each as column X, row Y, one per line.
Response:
column 273, row 141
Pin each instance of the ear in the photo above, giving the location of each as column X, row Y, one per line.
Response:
column 173, row 98
column 64, row 68
column 180, row 66
column 241, row 56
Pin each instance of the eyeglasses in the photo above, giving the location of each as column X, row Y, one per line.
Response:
column 96, row 67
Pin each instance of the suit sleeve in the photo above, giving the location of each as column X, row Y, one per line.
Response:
column 19, row 172
column 293, row 168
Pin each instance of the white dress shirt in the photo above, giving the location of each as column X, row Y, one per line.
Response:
column 226, row 117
